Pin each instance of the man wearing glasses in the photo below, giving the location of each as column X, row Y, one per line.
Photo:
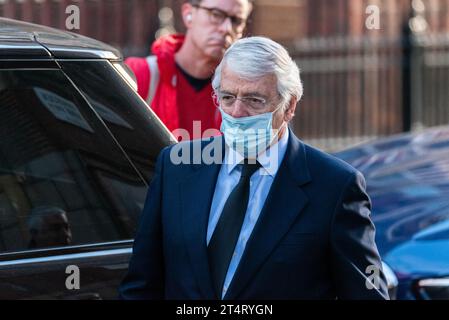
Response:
column 271, row 218
column 176, row 80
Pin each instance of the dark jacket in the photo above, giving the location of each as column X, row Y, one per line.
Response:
column 314, row 238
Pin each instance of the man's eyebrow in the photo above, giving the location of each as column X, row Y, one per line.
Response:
column 247, row 94
column 227, row 92
column 254, row 94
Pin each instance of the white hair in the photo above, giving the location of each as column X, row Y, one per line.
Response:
column 255, row 57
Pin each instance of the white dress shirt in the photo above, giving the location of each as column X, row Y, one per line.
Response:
column 260, row 184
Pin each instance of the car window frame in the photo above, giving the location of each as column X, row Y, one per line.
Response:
column 51, row 64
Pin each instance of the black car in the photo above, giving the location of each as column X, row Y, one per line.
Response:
column 77, row 149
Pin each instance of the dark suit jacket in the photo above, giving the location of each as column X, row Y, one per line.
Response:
column 314, row 238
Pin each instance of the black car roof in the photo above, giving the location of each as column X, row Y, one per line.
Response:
column 20, row 39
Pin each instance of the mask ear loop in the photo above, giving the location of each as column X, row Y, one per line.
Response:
column 278, row 107
column 276, row 131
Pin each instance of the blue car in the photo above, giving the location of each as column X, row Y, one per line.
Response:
column 408, row 181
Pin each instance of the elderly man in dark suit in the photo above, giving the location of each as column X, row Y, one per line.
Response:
column 255, row 213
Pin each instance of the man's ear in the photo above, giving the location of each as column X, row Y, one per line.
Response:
column 290, row 112
column 187, row 15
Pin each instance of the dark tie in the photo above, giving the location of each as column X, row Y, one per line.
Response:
column 224, row 239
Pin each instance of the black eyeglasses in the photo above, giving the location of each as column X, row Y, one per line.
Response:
column 218, row 16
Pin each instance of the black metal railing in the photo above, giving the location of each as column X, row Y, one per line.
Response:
column 356, row 88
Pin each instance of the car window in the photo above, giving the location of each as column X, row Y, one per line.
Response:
column 131, row 121
column 63, row 179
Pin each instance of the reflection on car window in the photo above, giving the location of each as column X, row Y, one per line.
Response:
column 63, row 179
column 48, row 226
column 136, row 128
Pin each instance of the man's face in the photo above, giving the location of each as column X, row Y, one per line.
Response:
column 264, row 88
column 205, row 30
column 55, row 231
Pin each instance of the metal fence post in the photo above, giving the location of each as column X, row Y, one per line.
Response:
column 413, row 61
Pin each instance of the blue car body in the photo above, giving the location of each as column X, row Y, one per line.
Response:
column 408, row 181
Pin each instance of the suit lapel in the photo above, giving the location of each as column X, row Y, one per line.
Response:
column 196, row 197
column 284, row 203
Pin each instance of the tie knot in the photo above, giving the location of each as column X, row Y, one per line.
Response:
column 249, row 167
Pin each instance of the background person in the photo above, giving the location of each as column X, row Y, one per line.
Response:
column 176, row 80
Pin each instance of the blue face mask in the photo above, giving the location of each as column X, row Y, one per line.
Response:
column 249, row 136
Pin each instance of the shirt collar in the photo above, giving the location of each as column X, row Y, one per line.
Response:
column 270, row 159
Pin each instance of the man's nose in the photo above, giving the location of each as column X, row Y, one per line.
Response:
column 239, row 110
column 226, row 26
